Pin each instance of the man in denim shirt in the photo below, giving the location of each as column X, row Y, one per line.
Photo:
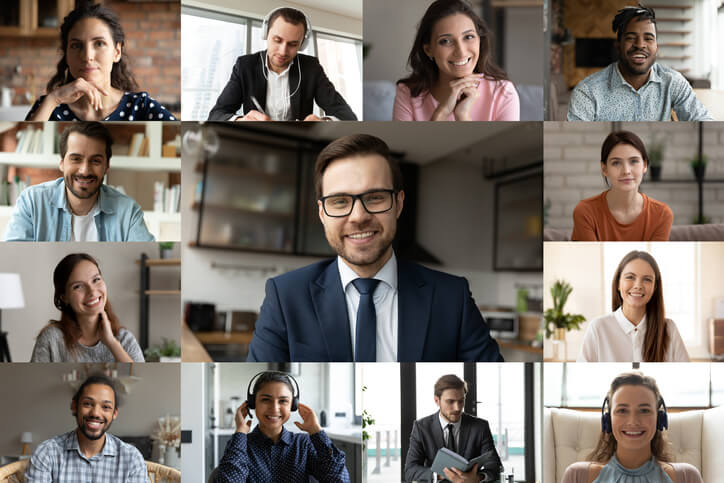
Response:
column 635, row 88
column 78, row 206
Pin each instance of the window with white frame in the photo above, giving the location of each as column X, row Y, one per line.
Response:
column 218, row 39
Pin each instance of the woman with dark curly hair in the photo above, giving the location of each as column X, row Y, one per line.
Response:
column 88, row 329
column 632, row 446
column 93, row 81
column 453, row 75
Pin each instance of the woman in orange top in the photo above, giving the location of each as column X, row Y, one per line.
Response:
column 622, row 213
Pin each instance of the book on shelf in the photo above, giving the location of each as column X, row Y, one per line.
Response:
column 136, row 142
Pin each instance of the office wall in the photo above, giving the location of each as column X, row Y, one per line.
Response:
column 36, row 261
column 36, row 399
column 194, row 416
column 523, row 29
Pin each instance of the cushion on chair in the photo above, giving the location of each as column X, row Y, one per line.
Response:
column 712, row 463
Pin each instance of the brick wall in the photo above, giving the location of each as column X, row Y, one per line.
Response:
column 153, row 44
column 572, row 172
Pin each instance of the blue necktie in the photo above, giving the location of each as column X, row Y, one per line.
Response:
column 366, row 333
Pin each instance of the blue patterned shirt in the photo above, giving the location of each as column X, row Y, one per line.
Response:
column 59, row 460
column 134, row 106
column 606, row 96
column 255, row 458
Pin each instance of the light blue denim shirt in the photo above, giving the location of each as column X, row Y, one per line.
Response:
column 606, row 96
column 42, row 214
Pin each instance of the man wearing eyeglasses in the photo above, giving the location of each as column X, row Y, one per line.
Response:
column 636, row 88
column 366, row 305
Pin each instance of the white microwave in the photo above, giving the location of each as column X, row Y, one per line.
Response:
column 502, row 325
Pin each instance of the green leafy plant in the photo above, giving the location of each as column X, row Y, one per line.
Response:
column 367, row 421
column 656, row 152
column 168, row 348
column 556, row 318
column 699, row 161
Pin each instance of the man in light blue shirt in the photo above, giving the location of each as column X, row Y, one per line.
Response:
column 635, row 88
column 78, row 206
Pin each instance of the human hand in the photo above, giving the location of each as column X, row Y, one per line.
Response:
column 242, row 425
column 69, row 93
column 312, row 117
column 460, row 90
column 468, row 97
column 310, row 423
column 105, row 333
column 254, row 115
column 456, row 476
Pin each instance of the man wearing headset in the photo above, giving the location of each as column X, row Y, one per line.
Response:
column 279, row 84
column 271, row 453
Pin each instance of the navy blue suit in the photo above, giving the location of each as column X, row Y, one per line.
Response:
column 304, row 318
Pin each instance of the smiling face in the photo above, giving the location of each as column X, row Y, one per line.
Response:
column 624, row 168
column 362, row 239
column 454, row 46
column 91, row 52
column 283, row 42
column 451, row 403
column 273, row 405
column 633, row 417
column 637, row 48
column 85, row 291
column 95, row 410
column 637, row 283
column 84, row 166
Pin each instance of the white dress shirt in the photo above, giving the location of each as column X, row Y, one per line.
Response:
column 613, row 338
column 278, row 101
column 385, row 300
column 456, row 429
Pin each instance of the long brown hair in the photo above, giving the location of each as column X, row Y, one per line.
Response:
column 425, row 72
column 656, row 340
column 68, row 323
column 606, row 445
column 121, row 76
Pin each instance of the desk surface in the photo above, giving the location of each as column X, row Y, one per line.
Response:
column 191, row 348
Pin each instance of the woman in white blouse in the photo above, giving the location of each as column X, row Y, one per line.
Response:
column 637, row 330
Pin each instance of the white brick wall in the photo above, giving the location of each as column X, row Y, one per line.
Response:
column 572, row 168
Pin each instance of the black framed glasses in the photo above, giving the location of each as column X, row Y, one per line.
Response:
column 374, row 201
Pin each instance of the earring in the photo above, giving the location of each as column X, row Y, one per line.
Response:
column 432, row 58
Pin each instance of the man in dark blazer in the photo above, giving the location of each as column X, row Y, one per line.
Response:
column 322, row 312
column 290, row 80
column 450, row 428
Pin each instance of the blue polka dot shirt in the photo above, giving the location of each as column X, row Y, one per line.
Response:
column 134, row 106
column 255, row 458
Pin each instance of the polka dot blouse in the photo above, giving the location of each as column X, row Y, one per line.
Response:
column 134, row 106
column 255, row 458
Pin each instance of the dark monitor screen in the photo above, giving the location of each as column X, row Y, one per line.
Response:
column 595, row 52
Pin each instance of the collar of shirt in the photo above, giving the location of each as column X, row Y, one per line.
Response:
column 71, row 443
column 103, row 203
column 444, row 422
column 285, row 438
column 387, row 274
column 278, row 102
column 616, row 78
column 627, row 326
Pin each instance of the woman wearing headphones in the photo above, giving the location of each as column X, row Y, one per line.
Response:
column 638, row 329
column 271, row 453
column 632, row 446
column 622, row 213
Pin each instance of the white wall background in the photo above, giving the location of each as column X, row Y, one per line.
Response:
column 35, row 263
column 572, row 157
column 36, row 399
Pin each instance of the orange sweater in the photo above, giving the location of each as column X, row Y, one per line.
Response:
column 592, row 221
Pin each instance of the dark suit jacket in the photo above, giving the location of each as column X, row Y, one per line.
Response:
column 304, row 318
column 247, row 79
column 427, row 438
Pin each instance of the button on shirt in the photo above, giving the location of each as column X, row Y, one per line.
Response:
column 612, row 338
column 385, row 300
column 606, row 96
column 255, row 458
column 60, row 460
column 42, row 214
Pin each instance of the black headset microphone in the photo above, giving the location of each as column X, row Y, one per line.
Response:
column 251, row 396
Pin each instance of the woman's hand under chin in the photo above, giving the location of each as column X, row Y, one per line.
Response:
column 462, row 95
column 72, row 92
column 105, row 333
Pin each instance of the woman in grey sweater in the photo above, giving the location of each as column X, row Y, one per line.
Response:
column 88, row 330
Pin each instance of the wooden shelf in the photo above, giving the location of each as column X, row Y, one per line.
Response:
column 674, row 19
column 117, row 162
column 674, row 44
column 232, row 170
column 162, row 262
column 220, row 337
column 670, row 7
column 681, row 32
column 162, row 292
column 243, row 211
column 674, row 57
column 516, row 3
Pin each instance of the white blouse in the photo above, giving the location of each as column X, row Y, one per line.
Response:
column 612, row 338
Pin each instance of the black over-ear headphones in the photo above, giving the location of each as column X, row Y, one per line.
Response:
column 662, row 418
column 251, row 396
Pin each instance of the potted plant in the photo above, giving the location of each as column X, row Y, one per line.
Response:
column 699, row 166
column 559, row 322
column 168, row 351
column 166, row 248
column 656, row 157
column 367, row 421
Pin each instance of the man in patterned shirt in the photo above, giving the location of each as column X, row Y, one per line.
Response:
column 88, row 453
column 635, row 88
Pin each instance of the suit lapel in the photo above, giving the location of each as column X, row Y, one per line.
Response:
column 464, row 434
column 296, row 100
column 413, row 312
column 331, row 310
column 437, row 436
column 259, row 89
